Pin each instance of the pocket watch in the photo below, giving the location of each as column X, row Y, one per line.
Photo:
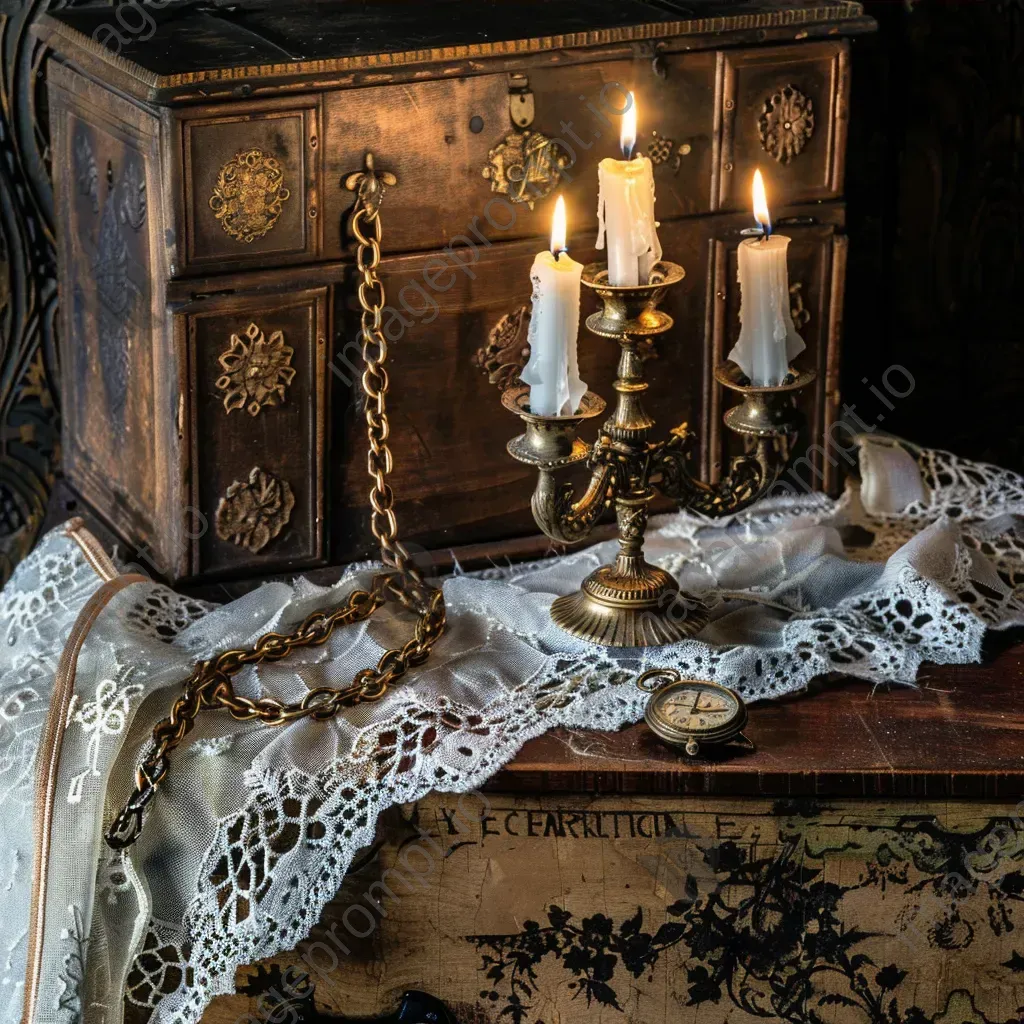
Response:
column 689, row 713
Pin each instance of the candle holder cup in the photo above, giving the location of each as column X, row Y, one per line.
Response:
column 632, row 603
column 765, row 411
column 550, row 442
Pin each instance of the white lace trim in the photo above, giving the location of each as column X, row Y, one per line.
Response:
column 274, row 817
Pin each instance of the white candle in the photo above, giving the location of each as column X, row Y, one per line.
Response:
column 768, row 338
column 553, row 371
column 625, row 210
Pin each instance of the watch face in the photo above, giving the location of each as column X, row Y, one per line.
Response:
column 690, row 709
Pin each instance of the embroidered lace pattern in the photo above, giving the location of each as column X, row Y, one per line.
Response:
column 256, row 827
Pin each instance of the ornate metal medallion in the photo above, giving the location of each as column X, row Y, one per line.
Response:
column 526, row 166
column 253, row 513
column 786, row 123
column 249, row 195
column 255, row 373
column 507, row 350
column 664, row 150
column 689, row 712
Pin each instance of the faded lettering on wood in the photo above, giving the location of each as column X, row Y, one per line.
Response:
column 670, row 909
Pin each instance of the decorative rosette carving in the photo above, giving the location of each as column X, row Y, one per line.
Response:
column 786, row 123
column 253, row 513
column 507, row 350
column 256, row 372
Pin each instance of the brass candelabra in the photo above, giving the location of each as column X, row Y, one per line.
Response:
column 632, row 603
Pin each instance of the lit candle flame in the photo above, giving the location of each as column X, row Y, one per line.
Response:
column 558, row 228
column 627, row 133
column 761, row 214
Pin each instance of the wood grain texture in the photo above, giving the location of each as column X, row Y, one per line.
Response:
column 958, row 733
column 206, row 54
column 751, row 77
column 120, row 433
column 286, row 439
column 436, row 137
column 286, row 131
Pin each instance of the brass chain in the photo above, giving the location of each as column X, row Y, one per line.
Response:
column 209, row 686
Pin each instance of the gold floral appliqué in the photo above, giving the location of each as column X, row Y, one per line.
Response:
column 256, row 371
column 249, row 195
column 786, row 123
column 507, row 350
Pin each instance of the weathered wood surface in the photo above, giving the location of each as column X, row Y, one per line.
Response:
column 959, row 733
column 255, row 48
column 246, row 209
column 646, row 910
column 120, row 371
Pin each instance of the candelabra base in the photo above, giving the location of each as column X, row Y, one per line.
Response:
column 635, row 606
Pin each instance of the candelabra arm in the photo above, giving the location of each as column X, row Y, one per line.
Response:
column 749, row 478
column 560, row 515
column 631, row 602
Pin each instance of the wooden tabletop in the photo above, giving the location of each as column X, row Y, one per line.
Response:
column 959, row 733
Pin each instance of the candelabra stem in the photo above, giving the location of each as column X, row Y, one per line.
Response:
column 630, row 422
column 630, row 603
column 627, row 430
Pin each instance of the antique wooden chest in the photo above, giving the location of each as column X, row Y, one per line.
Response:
column 210, row 357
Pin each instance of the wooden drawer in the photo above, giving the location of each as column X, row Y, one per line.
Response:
column 706, row 120
column 440, row 137
column 257, row 419
column 785, row 110
column 250, row 185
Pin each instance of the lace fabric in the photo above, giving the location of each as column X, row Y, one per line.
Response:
column 255, row 827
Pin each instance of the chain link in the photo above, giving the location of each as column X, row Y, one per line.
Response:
column 209, row 687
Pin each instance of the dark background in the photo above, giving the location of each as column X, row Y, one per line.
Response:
column 936, row 212
column 936, row 208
